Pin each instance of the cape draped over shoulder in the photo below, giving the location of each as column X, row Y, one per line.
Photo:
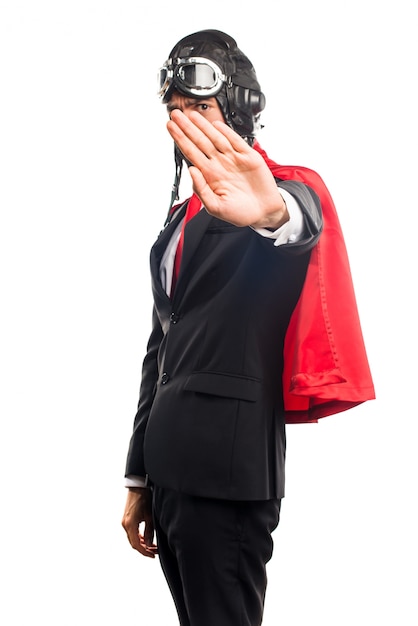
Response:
column 326, row 369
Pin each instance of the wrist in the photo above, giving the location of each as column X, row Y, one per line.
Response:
column 275, row 218
column 139, row 489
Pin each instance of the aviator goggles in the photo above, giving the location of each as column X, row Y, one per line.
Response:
column 194, row 76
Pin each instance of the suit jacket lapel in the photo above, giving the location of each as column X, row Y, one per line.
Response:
column 156, row 255
column 193, row 234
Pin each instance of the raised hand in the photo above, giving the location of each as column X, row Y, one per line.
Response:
column 231, row 179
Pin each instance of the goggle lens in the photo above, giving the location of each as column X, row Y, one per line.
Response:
column 195, row 76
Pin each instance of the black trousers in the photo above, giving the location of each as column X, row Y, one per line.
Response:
column 213, row 554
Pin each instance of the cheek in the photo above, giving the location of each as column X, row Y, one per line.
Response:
column 216, row 116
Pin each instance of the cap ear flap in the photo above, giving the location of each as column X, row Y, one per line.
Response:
column 249, row 99
column 257, row 101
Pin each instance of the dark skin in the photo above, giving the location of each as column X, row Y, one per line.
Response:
column 234, row 184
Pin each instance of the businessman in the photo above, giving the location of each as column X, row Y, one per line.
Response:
column 236, row 348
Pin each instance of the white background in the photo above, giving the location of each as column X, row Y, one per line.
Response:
column 86, row 171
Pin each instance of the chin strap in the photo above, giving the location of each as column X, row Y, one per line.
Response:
column 178, row 159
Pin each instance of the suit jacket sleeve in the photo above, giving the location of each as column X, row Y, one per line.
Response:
column 135, row 462
column 310, row 206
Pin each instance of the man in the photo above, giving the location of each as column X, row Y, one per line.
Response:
column 240, row 305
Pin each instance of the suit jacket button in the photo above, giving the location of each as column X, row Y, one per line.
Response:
column 164, row 378
column 174, row 318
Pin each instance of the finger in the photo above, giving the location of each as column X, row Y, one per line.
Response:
column 201, row 188
column 201, row 132
column 186, row 145
column 222, row 136
column 139, row 544
column 218, row 139
column 236, row 141
column 147, row 549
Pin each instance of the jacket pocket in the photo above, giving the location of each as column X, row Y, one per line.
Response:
column 224, row 385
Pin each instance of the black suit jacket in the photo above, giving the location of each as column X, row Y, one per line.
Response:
column 210, row 414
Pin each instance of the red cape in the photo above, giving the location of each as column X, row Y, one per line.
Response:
column 325, row 362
